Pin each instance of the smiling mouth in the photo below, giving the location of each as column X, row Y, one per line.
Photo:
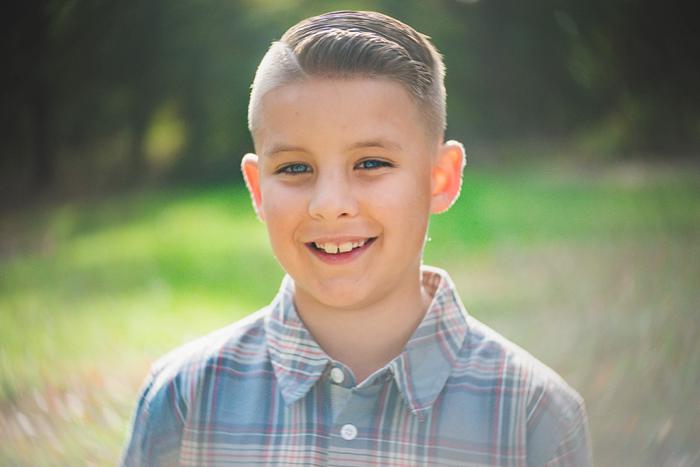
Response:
column 333, row 248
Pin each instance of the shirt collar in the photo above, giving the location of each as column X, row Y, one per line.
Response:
column 297, row 359
column 420, row 371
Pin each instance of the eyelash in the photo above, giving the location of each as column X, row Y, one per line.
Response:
column 293, row 169
column 379, row 164
column 289, row 169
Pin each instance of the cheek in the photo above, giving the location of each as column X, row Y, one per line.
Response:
column 281, row 208
column 410, row 191
column 403, row 202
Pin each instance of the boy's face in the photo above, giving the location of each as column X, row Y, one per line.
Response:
column 345, row 180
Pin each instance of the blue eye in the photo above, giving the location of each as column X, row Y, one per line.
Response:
column 294, row 169
column 373, row 164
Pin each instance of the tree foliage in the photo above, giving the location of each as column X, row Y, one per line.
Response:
column 102, row 91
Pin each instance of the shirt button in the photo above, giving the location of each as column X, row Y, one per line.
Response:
column 337, row 375
column 348, row 432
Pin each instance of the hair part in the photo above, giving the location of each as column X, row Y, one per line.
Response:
column 348, row 44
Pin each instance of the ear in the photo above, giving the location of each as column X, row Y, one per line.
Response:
column 251, row 175
column 446, row 179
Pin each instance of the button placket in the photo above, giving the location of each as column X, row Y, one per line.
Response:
column 351, row 432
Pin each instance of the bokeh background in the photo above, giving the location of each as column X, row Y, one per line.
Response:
column 125, row 229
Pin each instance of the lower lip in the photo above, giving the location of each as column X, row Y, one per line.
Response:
column 340, row 258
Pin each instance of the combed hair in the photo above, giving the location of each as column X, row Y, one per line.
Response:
column 345, row 44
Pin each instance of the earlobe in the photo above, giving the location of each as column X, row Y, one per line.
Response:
column 447, row 176
column 251, row 175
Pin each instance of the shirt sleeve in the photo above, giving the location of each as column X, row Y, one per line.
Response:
column 156, row 431
column 558, row 434
column 574, row 450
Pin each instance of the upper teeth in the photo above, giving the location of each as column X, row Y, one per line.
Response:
column 335, row 248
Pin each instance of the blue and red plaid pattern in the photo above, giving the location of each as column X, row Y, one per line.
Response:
column 259, row 392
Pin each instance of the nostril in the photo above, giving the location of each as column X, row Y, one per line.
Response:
column 333, row 196
column 333, row 208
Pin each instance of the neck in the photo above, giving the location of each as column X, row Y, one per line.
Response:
column 367, row 337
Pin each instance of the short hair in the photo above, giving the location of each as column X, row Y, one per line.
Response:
column 345, row 44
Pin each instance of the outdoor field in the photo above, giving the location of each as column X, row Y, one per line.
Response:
column 595, row 272
column 126, row 230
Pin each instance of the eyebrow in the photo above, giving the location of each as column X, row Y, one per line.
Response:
column 280, row 148
column 376, row 143
column 373, row 143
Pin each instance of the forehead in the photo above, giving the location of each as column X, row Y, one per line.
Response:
column 325, row 112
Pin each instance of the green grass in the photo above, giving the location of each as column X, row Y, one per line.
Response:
column 596, row 273
column 131, row 278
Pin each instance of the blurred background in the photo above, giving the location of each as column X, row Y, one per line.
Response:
column 125, row 229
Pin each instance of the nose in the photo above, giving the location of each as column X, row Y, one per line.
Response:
column 332, row 197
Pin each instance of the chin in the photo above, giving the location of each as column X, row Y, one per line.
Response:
column 341, row 299
column 339, row 294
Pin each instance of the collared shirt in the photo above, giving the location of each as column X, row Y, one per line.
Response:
column 262, row 392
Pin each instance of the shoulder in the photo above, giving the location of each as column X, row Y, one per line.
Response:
column 176, row 381
column 533, row 398
column 184, row 369
column 489, row 355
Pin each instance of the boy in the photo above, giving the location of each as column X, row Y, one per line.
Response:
column 364, row 357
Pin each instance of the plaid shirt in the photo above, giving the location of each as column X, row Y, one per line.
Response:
column 262, row 392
